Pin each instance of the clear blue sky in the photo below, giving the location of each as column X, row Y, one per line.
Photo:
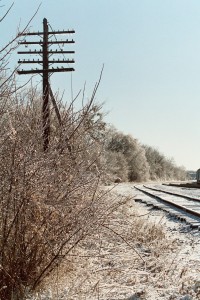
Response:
column 151, row 53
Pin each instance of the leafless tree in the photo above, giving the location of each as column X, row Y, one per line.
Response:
column 162, row 168
column 133, row 153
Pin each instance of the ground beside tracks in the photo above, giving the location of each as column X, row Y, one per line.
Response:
column 137, row 253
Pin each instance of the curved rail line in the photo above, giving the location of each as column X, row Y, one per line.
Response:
column 185, row 204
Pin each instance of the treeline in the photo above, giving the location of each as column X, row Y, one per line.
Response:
column 126, row 158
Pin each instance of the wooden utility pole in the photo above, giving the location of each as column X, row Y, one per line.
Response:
column 45, row 106
column 46, row 71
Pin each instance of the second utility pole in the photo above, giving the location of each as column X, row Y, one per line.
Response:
column 45, row 106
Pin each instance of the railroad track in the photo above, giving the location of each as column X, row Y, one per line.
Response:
column 183, row 207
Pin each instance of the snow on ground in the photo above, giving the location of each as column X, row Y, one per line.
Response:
column 138, row 253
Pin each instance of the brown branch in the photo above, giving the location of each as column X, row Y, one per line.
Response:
column 107, row 227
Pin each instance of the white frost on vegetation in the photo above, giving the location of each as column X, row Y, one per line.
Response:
column 138, row 254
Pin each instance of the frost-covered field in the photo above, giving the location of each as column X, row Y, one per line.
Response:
column 138, row 253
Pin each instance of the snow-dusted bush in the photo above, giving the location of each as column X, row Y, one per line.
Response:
column 46, row 197
column 133, row 154
column 116, row 166
column 162, row 167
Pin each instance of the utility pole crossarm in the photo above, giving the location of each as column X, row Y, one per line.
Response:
column 50, row 32
column 53, row 70
column 57, row 61
column 49, row 52
column 62, row 42
column 49, row 42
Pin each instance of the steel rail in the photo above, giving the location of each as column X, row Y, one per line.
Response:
column 183, row 208
column 173, row 194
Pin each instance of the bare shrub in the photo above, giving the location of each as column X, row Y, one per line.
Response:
column 115, row 166
column 130, row 159
column 47, row 198
column 162, row 167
